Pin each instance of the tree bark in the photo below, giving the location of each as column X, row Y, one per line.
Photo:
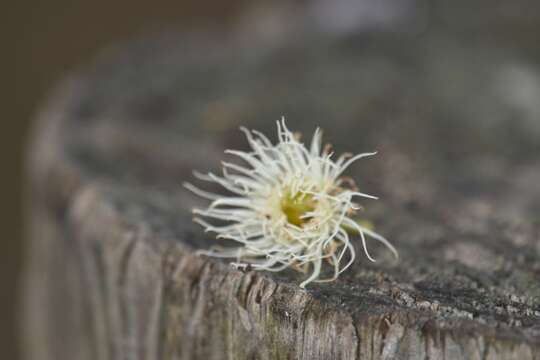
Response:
column 111, row 270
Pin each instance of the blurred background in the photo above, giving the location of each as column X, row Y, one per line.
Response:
column 47, row 40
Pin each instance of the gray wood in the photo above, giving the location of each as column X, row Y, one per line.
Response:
column 111, row 271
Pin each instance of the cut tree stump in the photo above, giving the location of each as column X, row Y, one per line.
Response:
column 111, row 269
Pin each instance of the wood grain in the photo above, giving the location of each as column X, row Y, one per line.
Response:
column 111, row 271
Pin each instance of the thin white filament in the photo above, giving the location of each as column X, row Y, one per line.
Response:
column 254, row 215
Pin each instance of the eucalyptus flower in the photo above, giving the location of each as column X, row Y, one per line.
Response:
column 287, row 206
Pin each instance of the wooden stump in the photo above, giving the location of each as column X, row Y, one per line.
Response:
column 111, row 267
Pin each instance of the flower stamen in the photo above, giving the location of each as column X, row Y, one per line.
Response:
column 289, row 206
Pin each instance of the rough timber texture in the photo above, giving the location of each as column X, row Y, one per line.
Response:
column 111, row 267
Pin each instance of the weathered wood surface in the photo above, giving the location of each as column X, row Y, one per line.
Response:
column 111, row 267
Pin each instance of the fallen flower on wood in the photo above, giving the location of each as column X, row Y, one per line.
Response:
column 289, row 207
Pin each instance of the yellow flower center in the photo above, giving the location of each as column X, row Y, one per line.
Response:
column 296, row 206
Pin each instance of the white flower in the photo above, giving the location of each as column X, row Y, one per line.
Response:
column 288, row 206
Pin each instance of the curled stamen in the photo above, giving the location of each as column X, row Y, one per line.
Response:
column 287, row 207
